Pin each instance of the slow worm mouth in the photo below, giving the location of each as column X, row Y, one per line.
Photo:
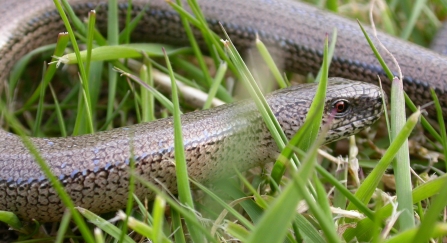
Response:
column 351, row 128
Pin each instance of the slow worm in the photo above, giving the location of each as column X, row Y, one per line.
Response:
column 93, row 167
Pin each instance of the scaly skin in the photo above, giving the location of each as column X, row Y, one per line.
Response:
column 94, row 167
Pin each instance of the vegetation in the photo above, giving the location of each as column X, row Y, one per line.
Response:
column 315, row 201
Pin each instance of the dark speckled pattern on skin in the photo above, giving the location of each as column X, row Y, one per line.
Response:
column 93, row 167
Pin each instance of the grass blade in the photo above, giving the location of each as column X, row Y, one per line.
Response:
column 184, row 189
column 369, row 185
column 401, row 163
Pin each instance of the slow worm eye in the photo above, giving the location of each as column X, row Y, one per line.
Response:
column 341, row 106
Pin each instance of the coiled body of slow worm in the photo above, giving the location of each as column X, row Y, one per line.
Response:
column 93, row 167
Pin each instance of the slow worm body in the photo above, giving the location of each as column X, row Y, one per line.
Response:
column 93, row 167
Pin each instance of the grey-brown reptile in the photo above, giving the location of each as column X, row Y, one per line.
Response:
column 94, row 166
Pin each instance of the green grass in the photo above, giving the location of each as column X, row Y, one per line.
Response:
column 251, row 207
